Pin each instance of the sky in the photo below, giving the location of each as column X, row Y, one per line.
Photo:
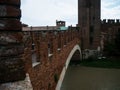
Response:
column 46, row 12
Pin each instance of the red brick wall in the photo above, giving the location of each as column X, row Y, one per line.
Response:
column 44, row 75
column 109, row 28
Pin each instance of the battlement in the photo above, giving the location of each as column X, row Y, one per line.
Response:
column 110, row 21
column 60, row 23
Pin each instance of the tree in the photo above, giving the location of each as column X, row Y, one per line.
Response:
column 117, row 43
column 112, row 48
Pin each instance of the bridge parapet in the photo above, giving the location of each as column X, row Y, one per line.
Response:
column 40, row 53
column 45, row 54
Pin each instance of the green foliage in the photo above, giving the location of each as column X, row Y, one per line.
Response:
column 109, row 49
column 117, row 42
column 112, row 48
column 102, row 63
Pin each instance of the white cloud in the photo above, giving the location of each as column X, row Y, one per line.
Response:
column 110, row 9
column 46, row 12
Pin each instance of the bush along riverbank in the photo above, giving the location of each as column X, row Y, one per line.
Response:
column 100, row 63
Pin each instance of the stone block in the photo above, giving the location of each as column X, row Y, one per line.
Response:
column 10, row 24
column 9, row 12
column 11, row 69
column 10, row 2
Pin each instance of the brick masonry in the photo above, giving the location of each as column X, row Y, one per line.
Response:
column 45, row 75
column 11, row 42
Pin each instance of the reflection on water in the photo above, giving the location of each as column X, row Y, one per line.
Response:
column 86, row 78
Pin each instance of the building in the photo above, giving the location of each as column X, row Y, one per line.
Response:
column 92, row 27
column 89, row 22
column 60, row 25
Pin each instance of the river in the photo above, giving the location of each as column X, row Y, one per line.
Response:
column 87, row 78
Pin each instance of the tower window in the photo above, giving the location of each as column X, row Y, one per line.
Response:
column 91, row 34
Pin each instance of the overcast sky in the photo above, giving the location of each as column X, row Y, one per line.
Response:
column 46, row 12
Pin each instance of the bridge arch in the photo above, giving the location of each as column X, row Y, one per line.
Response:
column 72, row 56
column 76, row 49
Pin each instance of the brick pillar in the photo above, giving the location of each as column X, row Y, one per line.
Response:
column 62, row 41
column 44, row 48
column 59, row 39
column 55, row 44
column 11, row 45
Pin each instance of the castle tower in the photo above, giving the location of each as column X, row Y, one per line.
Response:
column 89, row 22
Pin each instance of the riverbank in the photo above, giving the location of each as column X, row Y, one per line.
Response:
column 100, row 63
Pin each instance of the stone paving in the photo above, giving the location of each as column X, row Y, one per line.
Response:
column 20, row 85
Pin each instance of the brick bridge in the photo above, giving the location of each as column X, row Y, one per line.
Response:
column 47, row 53
column 41, row 56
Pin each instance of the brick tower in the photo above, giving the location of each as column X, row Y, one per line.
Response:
column 89, row 22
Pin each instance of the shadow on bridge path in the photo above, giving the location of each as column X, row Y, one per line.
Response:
column 87, row 78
